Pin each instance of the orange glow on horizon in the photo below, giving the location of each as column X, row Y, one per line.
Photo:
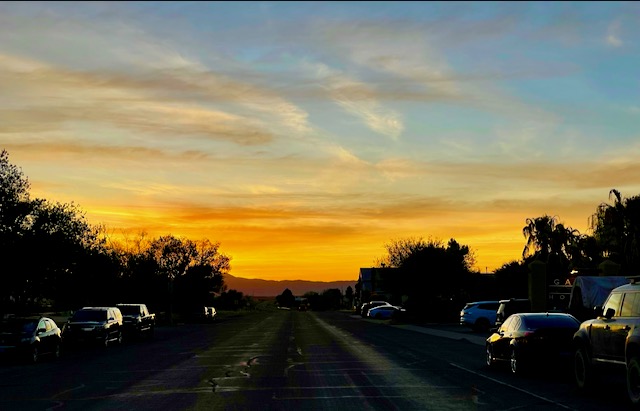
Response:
column 305, row 253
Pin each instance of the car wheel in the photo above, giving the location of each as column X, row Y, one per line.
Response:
column 582, row 370
column 633, row 380
column 516, row 362
column 489, row 356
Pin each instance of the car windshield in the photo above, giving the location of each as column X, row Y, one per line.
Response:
column 535, row 322
column 129, row 309
column 89, row 315
column 19, row 326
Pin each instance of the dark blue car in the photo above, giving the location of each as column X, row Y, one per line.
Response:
column 29, row 338
column 528, row 339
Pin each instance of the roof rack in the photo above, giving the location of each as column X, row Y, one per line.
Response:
column 634, row 279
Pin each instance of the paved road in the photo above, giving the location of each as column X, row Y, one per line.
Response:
column 287, row 360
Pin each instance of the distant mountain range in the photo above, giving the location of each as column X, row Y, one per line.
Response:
column 272, row 288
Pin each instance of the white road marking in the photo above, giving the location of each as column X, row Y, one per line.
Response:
column 512, row 386
column 69, row 390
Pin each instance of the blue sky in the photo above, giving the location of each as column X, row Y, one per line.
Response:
column 303, row 136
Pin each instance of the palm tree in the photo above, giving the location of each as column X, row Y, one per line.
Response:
column 539, row 234
column 547, row 238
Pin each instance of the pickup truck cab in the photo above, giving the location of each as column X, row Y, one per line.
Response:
column 613, row 339
column 137, row 321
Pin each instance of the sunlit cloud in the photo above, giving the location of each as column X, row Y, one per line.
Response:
column 360, row 100
column 613, row 34
column 303, row 144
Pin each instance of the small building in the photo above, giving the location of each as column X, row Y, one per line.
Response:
column 373, row 284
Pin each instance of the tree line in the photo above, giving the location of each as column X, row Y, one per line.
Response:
column 52, row 258
column 430, row 277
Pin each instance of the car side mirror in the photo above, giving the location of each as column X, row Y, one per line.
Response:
column 609, row 313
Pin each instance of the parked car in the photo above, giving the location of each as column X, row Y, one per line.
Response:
column 137, row 321
column 94, row 325
column 385, row 312
column 29, row 338
column 612, row 339
column 511, row 306
column 528, row 339
column 479, row 315
column 211, row 313
column 371, row 304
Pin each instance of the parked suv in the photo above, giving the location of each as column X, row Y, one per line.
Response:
column 101, row 325
column 479, row 315
column 612, row 338
column 511, row 306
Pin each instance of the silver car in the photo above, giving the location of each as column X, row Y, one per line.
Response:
column 479, row 315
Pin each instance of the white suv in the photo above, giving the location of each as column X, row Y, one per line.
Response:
column 479, row 315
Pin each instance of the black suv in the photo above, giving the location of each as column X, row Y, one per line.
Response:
column 612, row 338
column 101, row 325
column 511, row 306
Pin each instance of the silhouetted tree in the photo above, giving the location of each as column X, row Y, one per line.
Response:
column 50, row 254
column 44, row 246
column 314, row 300
column 230, row 300
column 429, row 273
column 616, row 228
column 332, row 298
column 286, row 299
column 550, row 242
column 173, row 256
column 399, row 250
column 348, row 294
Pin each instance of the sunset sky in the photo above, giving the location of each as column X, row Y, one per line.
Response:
column 304, row 136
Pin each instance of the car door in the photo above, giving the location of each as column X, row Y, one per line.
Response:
column 601, row 337
column 111, row 324
column 43, row 332
column 500, row 341
column 54, row 335
column 622, row 324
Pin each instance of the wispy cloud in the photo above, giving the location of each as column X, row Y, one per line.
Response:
column 613, row 34
column 360, row 100
column 329, row 127
column 156, row 102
